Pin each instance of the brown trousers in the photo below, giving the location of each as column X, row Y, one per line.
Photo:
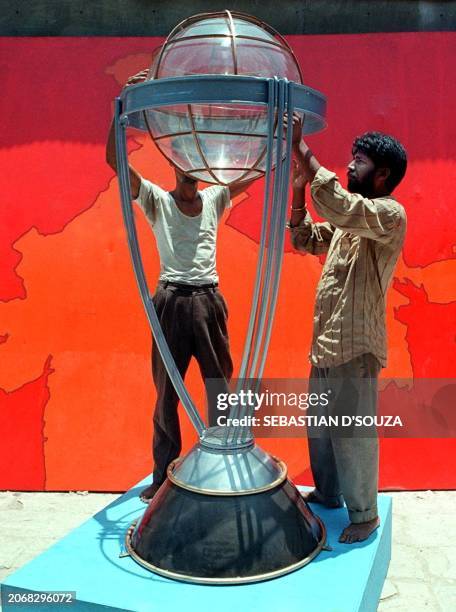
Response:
column 193, row 321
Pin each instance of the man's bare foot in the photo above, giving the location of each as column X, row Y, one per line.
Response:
column 147, row 494
column 357, row 532
column 314, row 497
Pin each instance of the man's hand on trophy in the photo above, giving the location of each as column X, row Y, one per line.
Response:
column 297, row 123
column 308, row 164
column 137, row 78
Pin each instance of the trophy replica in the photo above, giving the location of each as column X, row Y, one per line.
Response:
column 214, row 104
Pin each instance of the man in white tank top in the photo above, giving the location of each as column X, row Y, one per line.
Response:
column 191, row 310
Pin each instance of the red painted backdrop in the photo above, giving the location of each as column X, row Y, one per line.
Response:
column 76, row 395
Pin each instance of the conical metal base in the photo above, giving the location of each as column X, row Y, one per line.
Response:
column 224, row 471
column 225, row 538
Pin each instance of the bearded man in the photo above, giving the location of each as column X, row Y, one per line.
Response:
column 362, row 237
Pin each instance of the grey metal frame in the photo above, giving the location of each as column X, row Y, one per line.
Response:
column 280, row 97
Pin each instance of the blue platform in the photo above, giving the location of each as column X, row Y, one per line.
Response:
column 347, row 579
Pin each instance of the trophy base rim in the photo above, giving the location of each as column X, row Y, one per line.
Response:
column 225, row 540
column 223, row 581
column 225, row 472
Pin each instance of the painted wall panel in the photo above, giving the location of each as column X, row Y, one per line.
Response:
column 76, row 395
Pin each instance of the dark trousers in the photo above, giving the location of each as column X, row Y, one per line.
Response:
column 193, row 321
column 345, row 462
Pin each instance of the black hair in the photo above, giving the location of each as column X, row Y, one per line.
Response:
column 386, row 152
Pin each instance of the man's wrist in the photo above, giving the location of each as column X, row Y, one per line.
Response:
column 298, row 192
column 303, row 147
column 309, row 161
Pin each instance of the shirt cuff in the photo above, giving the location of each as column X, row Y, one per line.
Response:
column 323, row 176
column 304, row 221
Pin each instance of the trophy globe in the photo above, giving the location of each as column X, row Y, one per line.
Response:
column 218, row 143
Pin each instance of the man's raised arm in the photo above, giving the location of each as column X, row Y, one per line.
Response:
column 306, row 235
column 111, row 157
column 376, row 219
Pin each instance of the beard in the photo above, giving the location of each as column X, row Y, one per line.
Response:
column 364, row 187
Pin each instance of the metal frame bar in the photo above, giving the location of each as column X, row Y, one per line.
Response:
column 253, row 169
column 189, row 132
column 198, row 144
column 272, row 272
column 232, row 30
column 265, row 228
column 264, row 41
column 125, row 192
column 280, row 235
column 278, row 252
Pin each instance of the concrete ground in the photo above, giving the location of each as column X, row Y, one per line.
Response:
column 422, row 574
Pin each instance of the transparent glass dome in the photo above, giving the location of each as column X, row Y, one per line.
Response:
column 220, row 144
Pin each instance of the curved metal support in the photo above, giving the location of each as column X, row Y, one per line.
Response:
column 280, row 235
column 264, row 230
column 125, row 194
column 258, row 297
column 275, row 252
column 274, row 221
column 279, row 96
column 262, row 308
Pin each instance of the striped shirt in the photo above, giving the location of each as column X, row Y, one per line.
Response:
column 363, row 239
